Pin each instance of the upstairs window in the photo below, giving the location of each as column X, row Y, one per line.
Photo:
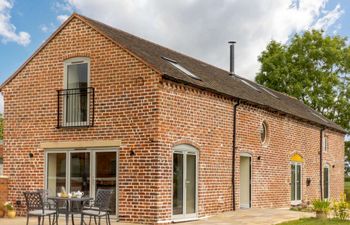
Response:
column 264, row 133
column 77, row 96
column 325, row 142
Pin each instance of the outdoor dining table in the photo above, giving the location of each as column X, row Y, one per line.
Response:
column 72, row 206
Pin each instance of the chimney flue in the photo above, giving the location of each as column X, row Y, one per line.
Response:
column 232, row 57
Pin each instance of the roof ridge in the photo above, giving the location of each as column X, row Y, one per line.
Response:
column 154, row 43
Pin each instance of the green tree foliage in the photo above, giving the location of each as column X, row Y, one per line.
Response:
column 314, row 68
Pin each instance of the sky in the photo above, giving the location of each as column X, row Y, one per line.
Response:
column 199, row 28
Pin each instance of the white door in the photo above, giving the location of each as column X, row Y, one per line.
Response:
column 184, row 183
column 296, row 178
column 245, row 182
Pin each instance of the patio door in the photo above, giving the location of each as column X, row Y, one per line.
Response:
column 105, row 174
column 82, row 170
column 184, row 182
column 245, row 181
column 296, row 178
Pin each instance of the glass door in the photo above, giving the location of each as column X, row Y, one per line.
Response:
column 184, row 185
column 296, row 178
column 56, row 168
column 105, row 173
column 79, row 179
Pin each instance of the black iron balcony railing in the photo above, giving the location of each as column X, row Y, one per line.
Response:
column 75, row 107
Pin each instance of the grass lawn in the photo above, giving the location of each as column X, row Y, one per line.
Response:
column 347, row 190
column 314, row 221
column 347, row 185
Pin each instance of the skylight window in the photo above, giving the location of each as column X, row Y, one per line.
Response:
column 181, row 68
column 250, row 85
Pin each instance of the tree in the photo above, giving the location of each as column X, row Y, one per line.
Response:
column 314, row 68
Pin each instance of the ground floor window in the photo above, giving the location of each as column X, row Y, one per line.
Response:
column 81, row 170
column 184, row 182
column 326, row 182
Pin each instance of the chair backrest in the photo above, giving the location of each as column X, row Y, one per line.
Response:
column 104, row 197
column 44, row 194
column 34, row 200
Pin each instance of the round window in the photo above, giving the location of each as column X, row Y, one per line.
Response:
column 263, row 132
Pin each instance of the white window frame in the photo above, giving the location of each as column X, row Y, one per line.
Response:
column 325, row 142
column 267, row 135
column 75, row 61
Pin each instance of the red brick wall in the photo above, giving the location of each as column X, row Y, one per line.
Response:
column 125, row 97
column 3, row 189
column 204, row 120
column 1, row 150
column 271, row 174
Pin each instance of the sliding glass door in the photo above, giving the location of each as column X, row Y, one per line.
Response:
column 56, row 172
column 105, row 173
column 82, row 170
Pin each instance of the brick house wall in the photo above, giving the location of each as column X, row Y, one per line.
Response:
column 125, row 98
column 205, row 120
column 1, row 149
column 151, row 116
column 3, row 189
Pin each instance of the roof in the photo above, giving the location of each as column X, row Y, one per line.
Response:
column 210, row 77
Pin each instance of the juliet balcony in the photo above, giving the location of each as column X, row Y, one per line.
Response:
column 76, row 107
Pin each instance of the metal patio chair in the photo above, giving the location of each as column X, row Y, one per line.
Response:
column 98, row 208
column 36, row 207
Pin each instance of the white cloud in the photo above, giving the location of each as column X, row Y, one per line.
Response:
column 44, row 28
column 329, row 18
column 7, row 29
column 201, row 28
column 62, row 18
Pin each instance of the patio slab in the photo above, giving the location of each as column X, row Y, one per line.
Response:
column 252, row 216
column 239, row 217
column 61, row 221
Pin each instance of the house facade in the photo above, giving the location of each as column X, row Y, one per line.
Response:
column 176, row 138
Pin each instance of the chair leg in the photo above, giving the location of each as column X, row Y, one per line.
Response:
column 57, row 215
column 109, row 219
column 90, row 221
column 43, row 219
column 95, row 220
column 99, row 220
column 39, row 220
column 73, row 219
column 50, row 219
column 82, row 219
column 27, row 219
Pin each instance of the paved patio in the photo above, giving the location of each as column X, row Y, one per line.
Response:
column 240, row 217
column 253, row 216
